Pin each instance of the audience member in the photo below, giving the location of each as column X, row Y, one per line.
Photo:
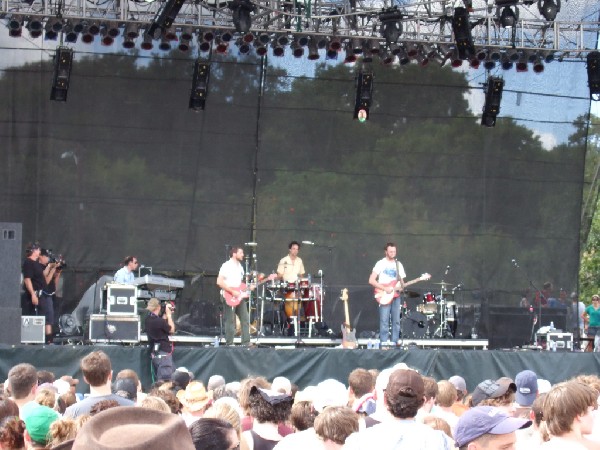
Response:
column 62, row 430
column 45, row 376
column 214, row 434
column 360, row 391
column 102, row 405
column 487, row 428
column 97, row 372
column 126, row 388
column 430, row 392
column 46, row 397
column 527, row 391
column 129, row 427
column 180, row 378
column 269, row 409
column 444, row 400
column 537, row 433
column 404, row 396
column 12, row 432
column 229, row 410
column 499, row 393
column 334, row 425
column 170, row 399
column 303, row 415
column 194, row 400
column 381, row 411
column 459, row 383
column 23, row 382
column 244, row 397
column 214, row 382
column 152, row 402
column 282, row 384
column 37, row 421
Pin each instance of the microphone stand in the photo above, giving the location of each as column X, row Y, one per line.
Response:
column 539, row 306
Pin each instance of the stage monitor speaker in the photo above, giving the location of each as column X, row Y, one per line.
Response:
column 33, row 329
column 509, row 327
column 10, row 326
column 556, row 315
column 10, row 265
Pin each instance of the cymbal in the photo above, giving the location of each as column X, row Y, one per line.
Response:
column 443, row 283
column 411, row 294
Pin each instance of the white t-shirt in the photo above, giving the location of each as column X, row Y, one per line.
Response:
column 398, row 435
column 386, row 271
column 232, row 272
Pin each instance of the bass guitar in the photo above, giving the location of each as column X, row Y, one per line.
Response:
column 348, row 334
column 385, row 298
column 243, row 291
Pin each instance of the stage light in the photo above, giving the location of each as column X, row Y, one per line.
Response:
column 199, row 85
column 489, row 64
column 549, row 9
column 335, row 44
column 364, row 95
column 386, row 58
column 132, row 30
column 221, row 45
column 462, row 33
column 70, row 34
column 165, row 44
column 313, row 50
column 422, row 60
column 15, row 25
column 391, row 25
column 493, row 96
column 455, row 59
column 278, row 49
column 474, row 63
column 507, row 64
column 147, row 43
column 593, row 70
column 86, row 36
column 129, row 43
column 164, row 17
column 303, row 40
column 283, row 40
column 170, row 34
column 322, row 41
column 184, row 45
column 513, row 55
column 403, row 58
column 350, row 55
column 243, row 46
column 297, row 49
column 509, row 17
column 248, row 38
column 94, row 28
column 260, row 49
column 538, row 65
column 374, row 46
column 367, row 55
column 53, row 26
column 35, row 27
column 106, row 38
column 241, row 10
column 482, row 54
column 264, row 38
column 548, row 57
column 356, row 46
column 63, row 60
column 411, row 50
column 494, row 54
column 521, row 65
column 204, row 41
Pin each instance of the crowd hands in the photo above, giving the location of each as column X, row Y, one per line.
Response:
column 396, row 408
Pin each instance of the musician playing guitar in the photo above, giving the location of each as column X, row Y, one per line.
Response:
column 388, row 275
column 231, row 275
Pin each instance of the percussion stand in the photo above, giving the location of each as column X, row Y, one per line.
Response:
column 443, row 330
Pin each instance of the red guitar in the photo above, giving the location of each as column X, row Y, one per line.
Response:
column 384, row 298
column 243, row 291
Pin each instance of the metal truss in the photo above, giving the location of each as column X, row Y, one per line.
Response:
column 426, row 22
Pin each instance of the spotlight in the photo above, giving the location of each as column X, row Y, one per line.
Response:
column 508, row 17
column 549, row 9
column 264, row 38
column 313, row 50
column 165, row 44
column 321, row 42
column 538, row 65
column 507, row 64
column 63, row 60
column 107, row 39
column 129, row 43
column 147, row 43
column 456, row 61
column 303, row 40
column 283, row 40
column 474, row 63
column 70, row 34
column 243, row 46
column 482, row 54
column 489, row 64
column 331, row 54
column 35, row 27
column 184, row 45
column 411, row 50
column 278, row 49
column 350, row 55
column 513, row 55
column 367, row 55
column 297, row 49
column 204, row 41
column 164, row 17
column 221, row 45
column 462, row 33
column 335, row 44
column 112, row 30
column 86, row 36
column 132, row 30
column 549, row 57
column 170, row 34
column 386, row 57
column 357, row 46
column 248, row 38
column 391, row 24
column 53, row 27
column 199, row 85
column 493, row 96
column 374, row 46
column 593, row 70
column 521, row 65
column 364, row 95
column 261, row 50
column 15, row 25
column 494, row 55
column 94, row 28
column 241, row 14
column 403, row 58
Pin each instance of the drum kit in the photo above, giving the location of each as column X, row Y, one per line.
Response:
column 435, row 316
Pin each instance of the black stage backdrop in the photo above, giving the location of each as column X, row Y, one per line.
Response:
column 125, row 168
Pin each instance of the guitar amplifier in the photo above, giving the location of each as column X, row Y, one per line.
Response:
column 121, row 299
column 110, row 328
column 33, row 329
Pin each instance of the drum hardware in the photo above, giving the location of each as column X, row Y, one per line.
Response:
column 444, row 330
column 411, row 294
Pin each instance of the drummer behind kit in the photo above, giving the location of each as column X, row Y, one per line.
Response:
column 384, row 298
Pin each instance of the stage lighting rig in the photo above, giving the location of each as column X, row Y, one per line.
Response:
column 241, row 14
column 462, row 33
column 364, row 95
column 549, row 9
column 493, row 96
column 391, row 25
column 63, row 61
column 199, row 85
column 164, row 17
column 593, row 70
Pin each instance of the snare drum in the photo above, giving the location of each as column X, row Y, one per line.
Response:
column 429, row 305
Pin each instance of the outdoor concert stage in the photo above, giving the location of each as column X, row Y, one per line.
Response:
column 309, row 361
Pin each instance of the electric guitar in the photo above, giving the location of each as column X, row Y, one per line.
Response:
column 348, row 334
column 243, row 291
column 384, row 298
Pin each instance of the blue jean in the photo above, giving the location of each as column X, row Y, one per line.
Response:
column 384, row 320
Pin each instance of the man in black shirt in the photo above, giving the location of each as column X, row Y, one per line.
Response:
column 35, row 280
column 158, row 329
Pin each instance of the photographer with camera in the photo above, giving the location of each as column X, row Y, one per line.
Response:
column 46, row 258
column 38, row 273
column 159, row 325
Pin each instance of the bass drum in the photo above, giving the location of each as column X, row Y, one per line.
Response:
column 413, row 325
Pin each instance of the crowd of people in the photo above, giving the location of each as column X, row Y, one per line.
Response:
column 395, row 408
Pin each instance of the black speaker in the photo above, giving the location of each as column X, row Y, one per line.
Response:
column 556, row 315
column 10, row 326
column 509, row 327
column 10, row 264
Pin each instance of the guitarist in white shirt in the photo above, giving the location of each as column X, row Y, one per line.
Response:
column 231, row 275
column 388, row 275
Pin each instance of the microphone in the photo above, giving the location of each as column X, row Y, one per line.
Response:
column 251, row 244
column 447, row 270
column 308, row 243
column 515, row 263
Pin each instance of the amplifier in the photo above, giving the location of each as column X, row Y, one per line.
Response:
column 110, row 328
column 555, row 341
column 121, row 299
column 33, row 329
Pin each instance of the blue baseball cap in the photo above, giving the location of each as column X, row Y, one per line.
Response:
column 481, row 420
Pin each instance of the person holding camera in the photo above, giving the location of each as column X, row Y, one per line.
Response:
column 159, row 325
column 46, row 258
column 36, row 277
